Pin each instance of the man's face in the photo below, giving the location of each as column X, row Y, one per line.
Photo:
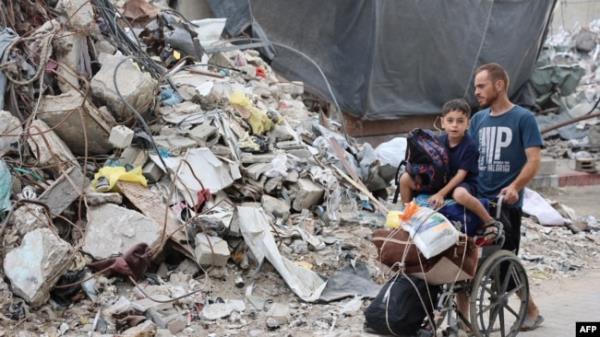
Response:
column 485, row 91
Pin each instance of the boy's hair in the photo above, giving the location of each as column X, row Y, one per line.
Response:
column 457, row 104
column 496, row 73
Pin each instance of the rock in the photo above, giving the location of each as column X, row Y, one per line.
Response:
column 282, row 132
column 278, row 208
column 163, row 333
column 308, row 195
column 145, row 329
column 134, row 156
column 547, row 166
column 211, row 250
column 34, row 267
column 187, row 267
column 29, row 217
column 585, row 41
column 49, row 148
column 135, row 86
column 299, row 247
column 112, row 229
column 203, row 134
column 62, row 192
column 9, row 125
column 216, row 311
column 67, row 49
column 152, row 172
column 279, row 313
column 272, row 324
column 80, row 13
column 120, row 136
column 72, row 106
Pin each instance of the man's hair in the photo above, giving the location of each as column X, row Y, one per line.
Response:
column 496, row 73
column 457, row 104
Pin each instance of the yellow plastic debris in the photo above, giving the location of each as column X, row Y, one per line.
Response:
column 108, row 177
column 258, row 119
column 393, row 219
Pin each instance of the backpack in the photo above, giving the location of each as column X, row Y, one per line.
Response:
column 426, row 160
column 399, row 308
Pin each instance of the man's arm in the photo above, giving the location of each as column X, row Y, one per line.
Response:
column 511, row 192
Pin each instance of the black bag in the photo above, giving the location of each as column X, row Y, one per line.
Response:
column 397, row 309
column 426, row 161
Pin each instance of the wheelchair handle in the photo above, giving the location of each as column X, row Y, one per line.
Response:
column 499, row 206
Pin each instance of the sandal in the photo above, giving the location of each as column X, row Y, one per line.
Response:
column 490, row 233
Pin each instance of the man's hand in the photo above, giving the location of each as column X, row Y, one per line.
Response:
column 436, row 201
column 511, row 195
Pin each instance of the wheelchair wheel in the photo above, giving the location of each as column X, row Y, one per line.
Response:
column 495, row 307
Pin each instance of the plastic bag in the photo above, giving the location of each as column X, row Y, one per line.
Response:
column 107, row 177
column 431, row 232
column 5, row 186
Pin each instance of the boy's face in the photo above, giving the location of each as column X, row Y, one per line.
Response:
column 455, row 123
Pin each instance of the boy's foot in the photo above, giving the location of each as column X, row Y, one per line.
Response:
column 491, row 233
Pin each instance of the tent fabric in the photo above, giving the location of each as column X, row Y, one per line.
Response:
column 389, row 59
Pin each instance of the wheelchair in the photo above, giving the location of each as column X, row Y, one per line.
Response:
column 498, row 295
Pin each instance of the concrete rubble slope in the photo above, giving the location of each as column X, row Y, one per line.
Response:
column 257, row 209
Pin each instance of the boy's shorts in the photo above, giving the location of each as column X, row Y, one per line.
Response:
column 472, row 189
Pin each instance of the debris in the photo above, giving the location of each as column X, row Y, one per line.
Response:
column 29, row 217
column 145, row 329
column 278, row 208
column 63, row 191
column 256, row 232
column 112, row 229
column 136, row 87
column 34, row 267
column 5, row 188
column 534, row 204
column 211, row 250
column 216, row 311
column 308, row 195
column 10, row 129
column 120, row 136
column 47, row 147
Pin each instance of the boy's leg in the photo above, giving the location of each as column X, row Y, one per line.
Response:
column 407, row 186
column 462, row 196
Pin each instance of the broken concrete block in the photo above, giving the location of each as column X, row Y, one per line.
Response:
column 585, row 41
column 72, row 105
column 204, row 133
column 163, row 333
column 9, row 125
column 120, row 136
column 547, row 167
column 211, row 250
column 112, row 229
column 145, row 329
column 279, row 208
column 29, row 217
column 291, row 88
column 152, row 172
column 80, row 13
column 34, row 267
column 66, row 189
column 308, row 195
column 136, row 87
column 216, row 311
column 67, row 49
column 47, row 146
column 134, row 156
column 282, row 132
column 280, row 312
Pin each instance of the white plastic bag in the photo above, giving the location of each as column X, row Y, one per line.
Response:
column 431, row 232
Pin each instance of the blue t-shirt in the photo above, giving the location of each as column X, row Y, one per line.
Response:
column 463, row 156
column 502, row 141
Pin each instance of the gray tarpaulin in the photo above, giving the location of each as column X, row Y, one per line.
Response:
column 387, row 59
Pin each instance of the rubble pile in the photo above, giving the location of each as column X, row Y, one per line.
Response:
column 159, row 180
column 566, row 84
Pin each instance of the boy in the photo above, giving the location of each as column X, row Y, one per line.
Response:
column 464, row 156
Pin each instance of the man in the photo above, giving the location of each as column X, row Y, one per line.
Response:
column 509, row 143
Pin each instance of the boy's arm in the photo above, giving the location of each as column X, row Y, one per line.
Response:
column 437, row 200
